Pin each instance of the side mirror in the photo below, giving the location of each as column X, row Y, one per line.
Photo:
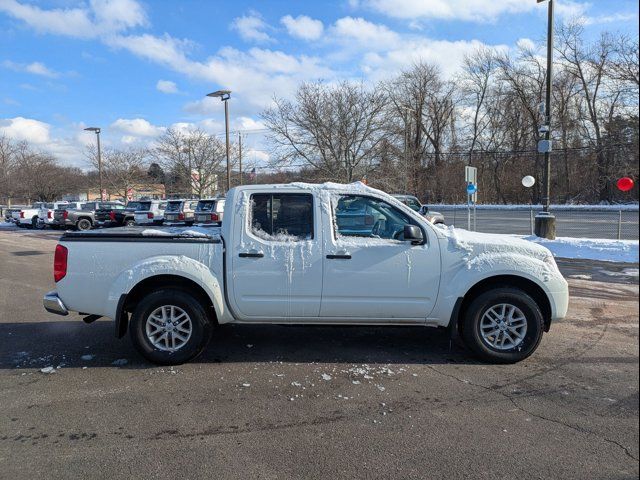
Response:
column 413, row 234
column 424, row 210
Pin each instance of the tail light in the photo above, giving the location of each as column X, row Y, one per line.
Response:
column 65, row 215
column 49, row 214
column 21, row 214
column 60, row 263
column 112, row 216
column 181, row 216
column 214, row 217
column 149, row 215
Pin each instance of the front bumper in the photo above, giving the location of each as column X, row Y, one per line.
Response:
column 53, row 304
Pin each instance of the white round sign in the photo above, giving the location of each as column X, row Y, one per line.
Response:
column 528, row 181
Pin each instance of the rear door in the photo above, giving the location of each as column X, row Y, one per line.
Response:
column 370, row 272
column 276, row 267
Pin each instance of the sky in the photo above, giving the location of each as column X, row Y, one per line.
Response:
column 134, row 67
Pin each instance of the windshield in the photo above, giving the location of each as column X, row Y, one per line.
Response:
column 206, row 206
column 144, row 206
column 45, row 205
column 174, row 206
column 134, row 206
column 87, row 206
column 411, row 202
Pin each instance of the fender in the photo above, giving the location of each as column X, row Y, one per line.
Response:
column 167, row 265
column 462, row 276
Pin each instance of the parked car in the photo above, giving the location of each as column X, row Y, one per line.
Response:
column 209, row 210
column 118, row 216
column 151, row 212
column 283, row 258
column 82, row 218
column 180, row 212
column 414, row 204
column 27, row 217
column 46, row 215
column 10, row 211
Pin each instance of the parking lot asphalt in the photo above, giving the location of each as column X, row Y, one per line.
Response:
column 273, row 402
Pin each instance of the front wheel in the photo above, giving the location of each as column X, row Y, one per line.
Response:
column 170, row 327
column 503, row 325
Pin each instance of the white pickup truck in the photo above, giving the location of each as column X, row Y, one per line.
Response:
column 309, row 254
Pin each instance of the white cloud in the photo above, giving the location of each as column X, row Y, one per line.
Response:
column 446, row 54
column 613, row 18
column 98, row 18
column 36, row 68
column 465, row 10
column 167, row 86
column 251, row 27
column 526, row 44
column 136, row 127
column 303, row 27
column 364, row 33
column 25, row 129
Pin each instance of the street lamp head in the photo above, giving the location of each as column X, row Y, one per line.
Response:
column 222, row 94
column 93, row 129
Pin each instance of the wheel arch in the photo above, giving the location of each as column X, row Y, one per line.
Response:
column 129, row 301
column 497, row 281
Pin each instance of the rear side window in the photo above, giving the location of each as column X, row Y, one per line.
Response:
column 282, row 217
column 144, row 206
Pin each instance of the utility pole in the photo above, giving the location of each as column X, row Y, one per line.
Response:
column 240, row 156
column 545, row 221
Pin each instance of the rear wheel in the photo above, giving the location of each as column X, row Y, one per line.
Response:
column 503, row 325
column 84, row 224
column 170, row 326
column 34, row 222
column 129, row 222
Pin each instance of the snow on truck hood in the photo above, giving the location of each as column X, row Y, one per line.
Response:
column 483, row 251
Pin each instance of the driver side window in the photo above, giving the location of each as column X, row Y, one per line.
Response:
column 359, row 216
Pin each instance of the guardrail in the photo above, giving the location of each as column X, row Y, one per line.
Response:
column 588, row 221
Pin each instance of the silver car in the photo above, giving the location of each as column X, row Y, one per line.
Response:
column 414, row 204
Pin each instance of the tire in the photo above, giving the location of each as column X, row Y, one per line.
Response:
column 34, row 223
column 83, row 224
column 483, row 314
column 129, row 222
column 141, row 323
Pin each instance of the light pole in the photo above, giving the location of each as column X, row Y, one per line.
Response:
column 545, row 221
column 97, row 130
column 224, row 96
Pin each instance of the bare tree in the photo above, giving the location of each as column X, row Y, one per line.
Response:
column 123, row 169
column 335, row 129
column 178, row 151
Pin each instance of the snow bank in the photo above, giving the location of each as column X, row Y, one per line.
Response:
column 590, row 249
column 191, row 232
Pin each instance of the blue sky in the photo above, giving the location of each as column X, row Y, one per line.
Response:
column 136, row 67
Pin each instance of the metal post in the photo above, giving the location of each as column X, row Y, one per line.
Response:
column 475, row 218
column 531, row 218
column 190, row 176
column 226, row 129
column 620, row 224
column 547, row 134
column 469, row 212
column 99, row 163
column 240, row 156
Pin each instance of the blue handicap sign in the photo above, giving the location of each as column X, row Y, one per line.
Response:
column 472, row 188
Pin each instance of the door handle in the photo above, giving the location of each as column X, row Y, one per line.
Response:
column 252, row 254
column 344, row 256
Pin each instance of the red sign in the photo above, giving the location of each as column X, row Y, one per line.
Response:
column 625, row 184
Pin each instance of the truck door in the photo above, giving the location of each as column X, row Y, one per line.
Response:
column 370, row 272
column 277, row 266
